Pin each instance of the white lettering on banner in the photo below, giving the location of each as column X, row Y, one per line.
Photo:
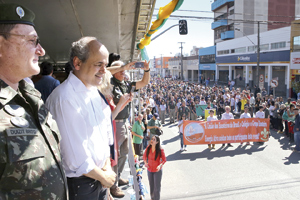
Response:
column 245, row 124
column 231, row 138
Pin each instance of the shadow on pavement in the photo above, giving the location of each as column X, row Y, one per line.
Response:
column 176, row 138
column 292, row 159
column 282, row 139
column 219, row 152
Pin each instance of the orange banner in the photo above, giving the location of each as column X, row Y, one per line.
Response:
column 226, row 131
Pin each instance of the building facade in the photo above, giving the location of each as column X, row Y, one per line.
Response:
column 237, row 60
column 207, row 64
column 295, row 58
column 236, row 18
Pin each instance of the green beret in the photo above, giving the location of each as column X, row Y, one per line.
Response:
column 11, row 13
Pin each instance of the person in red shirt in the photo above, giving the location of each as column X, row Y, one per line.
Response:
column 154, row 158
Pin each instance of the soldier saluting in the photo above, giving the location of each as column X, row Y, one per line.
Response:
column 30, row 162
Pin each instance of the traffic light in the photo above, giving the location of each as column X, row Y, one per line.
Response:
column 183, row 27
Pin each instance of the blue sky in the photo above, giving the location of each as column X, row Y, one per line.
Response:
column 200, row 33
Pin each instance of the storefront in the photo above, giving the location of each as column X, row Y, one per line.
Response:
column 243, row 68
column 295, row 74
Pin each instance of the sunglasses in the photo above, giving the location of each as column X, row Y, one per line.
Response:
column 34, row 39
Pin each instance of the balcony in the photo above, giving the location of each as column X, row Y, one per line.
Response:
column 227, row 35
column 218, row 3
column 219, row 23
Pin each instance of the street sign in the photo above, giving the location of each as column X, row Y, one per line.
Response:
column 274, row 83
column 261, row 78
column 261, row 81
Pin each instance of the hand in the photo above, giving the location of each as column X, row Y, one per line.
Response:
column 146, row 65
column 147, row 165
column 158, row 167
column 109, row 180
column 129, row 66
column 142, row 137
column 124, row 99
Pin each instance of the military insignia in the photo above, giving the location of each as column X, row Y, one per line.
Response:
column 19, row 122
column 14, row 110
column 20, row 12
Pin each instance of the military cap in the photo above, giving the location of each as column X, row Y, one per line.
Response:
column 11, row 13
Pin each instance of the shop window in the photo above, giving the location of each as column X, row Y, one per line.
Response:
column 278, row 45
column 296, row 43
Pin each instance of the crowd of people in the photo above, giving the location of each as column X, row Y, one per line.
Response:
column 179, row 100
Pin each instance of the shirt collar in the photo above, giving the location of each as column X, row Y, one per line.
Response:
column 118, row 81
column 78, row 85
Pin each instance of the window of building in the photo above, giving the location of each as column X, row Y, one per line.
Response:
column 263, row 47
column 223, row 52
column 240, row 50
column 278, row 45
column 296, row 43
column 231, row 12
column 208, row 59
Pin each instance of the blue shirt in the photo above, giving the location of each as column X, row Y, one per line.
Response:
column 46, row 85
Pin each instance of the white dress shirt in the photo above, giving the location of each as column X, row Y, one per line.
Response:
column 260, row 114
column 84, row 121
column 213, row 118
column 245, row 115
column 227, row 116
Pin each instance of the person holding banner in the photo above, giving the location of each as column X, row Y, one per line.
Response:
column 227, row 115
column 211, row 117
column 245, row 115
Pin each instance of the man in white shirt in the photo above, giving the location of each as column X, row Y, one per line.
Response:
column 245, row 115
column 84, row 120
column 227, row 115
column 260, row 113
column 202, row 101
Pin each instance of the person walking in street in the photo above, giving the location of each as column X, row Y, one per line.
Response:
column 225, row 116
column 211, row 117
column 154, row 159
column 245, row 115
column 172, row 107
column 162, row 111
column 180, row 126
column 154, row 124
column 138, row 136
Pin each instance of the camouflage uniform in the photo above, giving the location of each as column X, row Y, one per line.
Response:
column 30, row 161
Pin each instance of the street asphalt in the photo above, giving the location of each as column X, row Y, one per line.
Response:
column 269, row 171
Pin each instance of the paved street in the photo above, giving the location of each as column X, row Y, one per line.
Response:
column 244, row 172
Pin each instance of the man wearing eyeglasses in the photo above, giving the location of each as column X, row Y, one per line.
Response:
column 30, row 161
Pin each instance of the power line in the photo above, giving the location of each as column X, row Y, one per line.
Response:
column 233, row 20
column 244, row 14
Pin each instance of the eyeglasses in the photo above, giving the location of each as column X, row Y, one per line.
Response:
column 34, row 39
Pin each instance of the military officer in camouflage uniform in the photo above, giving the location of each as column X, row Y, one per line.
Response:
column 30, row 161
column 120, row 87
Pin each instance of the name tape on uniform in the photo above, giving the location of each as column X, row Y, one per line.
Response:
column 21, row 131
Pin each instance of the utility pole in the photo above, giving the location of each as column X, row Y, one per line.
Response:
column 258, row 53
column 182, row 78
